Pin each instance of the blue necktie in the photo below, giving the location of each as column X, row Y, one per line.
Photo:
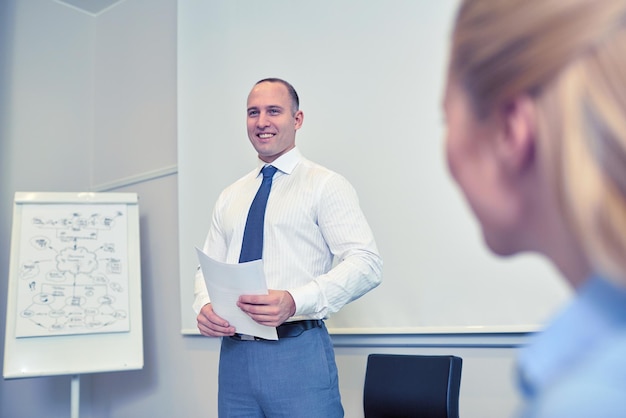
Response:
column 252, row 246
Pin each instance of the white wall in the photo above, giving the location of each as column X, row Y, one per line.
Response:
column 46, row 126
column 89, row 103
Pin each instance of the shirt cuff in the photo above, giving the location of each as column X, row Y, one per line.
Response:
column 307, row 300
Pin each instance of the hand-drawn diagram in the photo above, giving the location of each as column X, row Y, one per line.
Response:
column 73, row 276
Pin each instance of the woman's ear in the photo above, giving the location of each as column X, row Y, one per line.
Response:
column 515, row 146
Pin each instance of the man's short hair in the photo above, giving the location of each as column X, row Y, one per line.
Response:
column 295, row 100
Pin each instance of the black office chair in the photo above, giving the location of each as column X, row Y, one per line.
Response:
column 412, row 386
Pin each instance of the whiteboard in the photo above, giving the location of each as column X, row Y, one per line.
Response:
column 74, row 290
column 370, row 76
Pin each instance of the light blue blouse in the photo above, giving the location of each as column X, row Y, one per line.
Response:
column 576, row 367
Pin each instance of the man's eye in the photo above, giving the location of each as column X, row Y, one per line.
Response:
column 253, row 113
column 274, row 112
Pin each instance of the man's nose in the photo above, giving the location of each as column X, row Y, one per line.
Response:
column 262, row 120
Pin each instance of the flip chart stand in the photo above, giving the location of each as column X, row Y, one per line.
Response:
column 75, row 405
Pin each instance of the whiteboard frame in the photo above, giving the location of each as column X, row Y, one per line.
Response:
column 372, row 100
column 83, row 353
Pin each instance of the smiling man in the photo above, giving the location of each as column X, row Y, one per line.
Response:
column 312, row 218
column 273, row 119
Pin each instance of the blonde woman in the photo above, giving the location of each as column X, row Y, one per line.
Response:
column 536, row 113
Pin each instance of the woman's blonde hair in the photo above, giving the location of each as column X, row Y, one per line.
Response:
column 570, row 56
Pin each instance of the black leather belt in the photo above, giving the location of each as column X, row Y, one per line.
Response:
column 286, row 330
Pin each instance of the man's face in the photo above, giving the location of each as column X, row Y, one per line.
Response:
column 272, row 125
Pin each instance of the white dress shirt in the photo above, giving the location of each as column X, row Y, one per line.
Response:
column 317, row 242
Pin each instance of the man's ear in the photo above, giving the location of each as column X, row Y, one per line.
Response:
column 516, row 143
column 299, row 118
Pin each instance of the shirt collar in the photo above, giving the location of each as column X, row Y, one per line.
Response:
column 597, row 311
column 286, row 163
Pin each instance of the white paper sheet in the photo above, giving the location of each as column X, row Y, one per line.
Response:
column 226, row 282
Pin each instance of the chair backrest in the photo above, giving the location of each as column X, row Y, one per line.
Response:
column 412, row 386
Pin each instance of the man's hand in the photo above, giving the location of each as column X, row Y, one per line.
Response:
column 271, row 310
column 211, row 325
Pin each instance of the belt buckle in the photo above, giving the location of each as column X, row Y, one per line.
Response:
column 246, row 337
